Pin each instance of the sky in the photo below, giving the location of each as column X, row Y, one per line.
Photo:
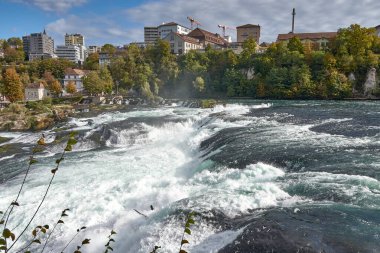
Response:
column 122, row 21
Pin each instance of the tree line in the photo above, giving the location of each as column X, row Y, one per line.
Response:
column 284, row 70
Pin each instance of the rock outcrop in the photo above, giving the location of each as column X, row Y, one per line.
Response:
column 371, row 83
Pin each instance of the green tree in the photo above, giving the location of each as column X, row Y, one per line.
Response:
column 92, row 62
column 108, row 48
column 107, row 82
column 295, row 44
column 199, row 84
column 92, row 83
column 12, row 86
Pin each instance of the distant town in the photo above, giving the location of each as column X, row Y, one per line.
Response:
column 182, row 39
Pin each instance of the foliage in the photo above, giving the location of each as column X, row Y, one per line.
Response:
column 71, row 87
column 92, row 62
column 189, row 221
column 12, row 86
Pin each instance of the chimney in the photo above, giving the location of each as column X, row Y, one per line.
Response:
column 294, row 15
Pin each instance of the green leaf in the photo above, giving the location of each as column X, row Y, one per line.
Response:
column 1, row 212
column 190, row 221
column 13, row 236
column 73, row 134
column 46, row 226
column 37, row 241
column 113, row 232
column 110, row 248
column 112, row 240
column 58, row 161
column 83, row 228
column 187, row 231
column 54, row 170
column 6, row 233
column 60, row 221
column 43, row 230
column 32, row 161
column 34, row 233
column 3, row 247
column 72, row 141
column 2, row 222
column 15, row 204
column 27, row 251
column 86, row 241
column 184, row 242
column 2, row 241
column 182, row 251
column 69, row 148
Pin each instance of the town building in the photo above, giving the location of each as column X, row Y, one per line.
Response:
column 208, row 38
column 38, row 46
column 166, row 28
column 150, row 34
column 320, row 40
column 74, row 53
column 378, row 30
column 182, row 44
column 94, row 49
column 75, row 76
column 140, row 44
column 104, row 59
column 35, row 92
column 74, row 39
column 247, row 31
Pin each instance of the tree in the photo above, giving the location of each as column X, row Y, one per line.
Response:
column 199, row 84
column 71, row 88
column 92, row 62
column 12, row 86
column 249, row 49
column 295, row 44
column 92, row 83
column 108, row 48
column 13, row 55
column 106, row 78
column 56, row 88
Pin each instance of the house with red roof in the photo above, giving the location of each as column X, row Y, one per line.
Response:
column 182, row 44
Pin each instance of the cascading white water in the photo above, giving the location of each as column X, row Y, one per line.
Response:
column 143, row 166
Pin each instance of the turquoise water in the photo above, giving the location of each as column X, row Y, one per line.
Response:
column 263, row 176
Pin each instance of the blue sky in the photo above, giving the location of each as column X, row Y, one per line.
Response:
column 122, row 21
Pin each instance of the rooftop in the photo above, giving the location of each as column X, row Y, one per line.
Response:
column 207, row 34
column 188, row 38
column 304, row 36
column 35, row 86
column 76, row 72
column 248, row 26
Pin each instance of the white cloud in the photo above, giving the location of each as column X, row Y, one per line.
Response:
column 96, row 29
column 53, row 5
column 274, row 16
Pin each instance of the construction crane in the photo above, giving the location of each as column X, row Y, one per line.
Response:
column 193, row 21
column 224, row 28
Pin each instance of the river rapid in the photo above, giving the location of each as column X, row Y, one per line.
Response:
column 262, row 176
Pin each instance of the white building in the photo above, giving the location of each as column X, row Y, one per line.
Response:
column 104, row 59
column 76, row 76
column 74, row 53
column 35, row 92
column 94, row 49
column 182, row 44
column 166, row 28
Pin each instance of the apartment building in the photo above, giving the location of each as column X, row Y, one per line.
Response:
column 248, row 31
column 150, row 34
column 74, row 53
column 38, row 46
column 74, row 39
column 166, row 28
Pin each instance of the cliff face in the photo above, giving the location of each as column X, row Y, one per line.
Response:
column 371, row 83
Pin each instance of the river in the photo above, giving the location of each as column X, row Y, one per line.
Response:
column 262, row 176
